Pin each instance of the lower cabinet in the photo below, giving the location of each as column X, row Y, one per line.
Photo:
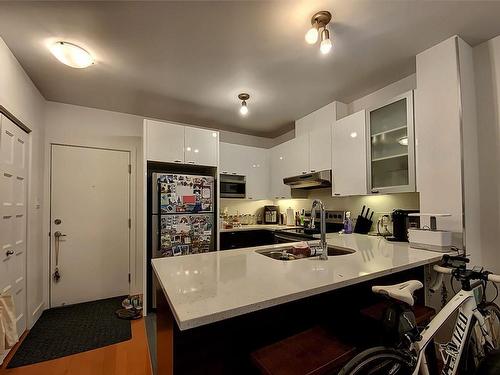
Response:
column 245, row 238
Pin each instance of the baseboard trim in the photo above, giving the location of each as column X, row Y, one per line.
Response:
column 36, row 314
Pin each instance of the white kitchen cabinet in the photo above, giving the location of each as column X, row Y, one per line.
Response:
column 174, row 143
column 320, row 149
column 164, row 141
column 297, row 161
column 349, row 155
column 391, row 146
column 281, row 160
column 231, row 159
column 251, row 162
column 201, row 146
column 315, row 138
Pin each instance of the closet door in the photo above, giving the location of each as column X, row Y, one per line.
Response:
column 13, row 196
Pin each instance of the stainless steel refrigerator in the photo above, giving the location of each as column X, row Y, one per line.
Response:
column 183, row 219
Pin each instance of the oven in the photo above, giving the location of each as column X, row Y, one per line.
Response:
column 232, row 186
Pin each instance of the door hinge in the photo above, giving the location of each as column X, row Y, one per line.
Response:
column 130, row 223
column 130, row 169
column 129, row 278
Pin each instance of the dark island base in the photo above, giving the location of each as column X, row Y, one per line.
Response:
column 225, row 347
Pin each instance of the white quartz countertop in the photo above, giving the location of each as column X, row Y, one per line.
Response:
column 257, row 227
column 209, row 287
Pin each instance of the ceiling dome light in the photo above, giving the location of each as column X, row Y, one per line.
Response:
column 312, row 34
column 243, row 109
column 71, row 55
column 326, row 44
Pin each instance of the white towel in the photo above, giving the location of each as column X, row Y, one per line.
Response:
column 8, row 328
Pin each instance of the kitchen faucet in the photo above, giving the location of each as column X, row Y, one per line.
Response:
column 323, row 245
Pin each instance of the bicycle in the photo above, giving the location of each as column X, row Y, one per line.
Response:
column 476, row 332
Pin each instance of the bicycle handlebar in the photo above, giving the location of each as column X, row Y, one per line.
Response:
column 445, row 270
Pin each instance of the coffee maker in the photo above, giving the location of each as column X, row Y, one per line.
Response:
column 271, row 214
column 401, row 222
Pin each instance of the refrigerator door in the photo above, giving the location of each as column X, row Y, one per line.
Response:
column 184, row 193
column 186, row 234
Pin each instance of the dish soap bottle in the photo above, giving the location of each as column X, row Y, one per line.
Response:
column 347, row 223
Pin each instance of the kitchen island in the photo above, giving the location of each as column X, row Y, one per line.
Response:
column 213, row 288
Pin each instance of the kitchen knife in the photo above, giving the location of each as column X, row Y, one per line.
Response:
column 367, row 212
column 371, row 215
column 362, row 210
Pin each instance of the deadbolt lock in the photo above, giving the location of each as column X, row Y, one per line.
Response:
column 57, row 221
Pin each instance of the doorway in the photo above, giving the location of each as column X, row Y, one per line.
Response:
column 90, row 195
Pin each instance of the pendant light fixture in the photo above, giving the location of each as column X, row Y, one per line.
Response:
column 319, row 27
column 243, row 109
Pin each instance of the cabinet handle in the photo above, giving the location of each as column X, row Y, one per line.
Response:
column 375, row 191
column 304, row 172
column 234, row 173
column 224, row 172
column 336, row 193
column 190, row 162
column 177, row 161
column 313, row 170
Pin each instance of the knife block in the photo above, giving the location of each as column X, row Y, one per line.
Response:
column 363, row 225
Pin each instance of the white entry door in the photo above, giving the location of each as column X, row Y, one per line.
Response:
column 13, row 194
column 90, row 228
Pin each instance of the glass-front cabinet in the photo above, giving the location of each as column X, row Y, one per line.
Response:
column 391, row 146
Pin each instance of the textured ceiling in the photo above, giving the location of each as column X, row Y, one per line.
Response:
column 186, row 61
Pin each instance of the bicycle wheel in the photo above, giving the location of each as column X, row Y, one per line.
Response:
column 476, row 347
column 380, row 360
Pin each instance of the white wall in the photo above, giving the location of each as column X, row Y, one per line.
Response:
column 20, row 97
column 487, row 81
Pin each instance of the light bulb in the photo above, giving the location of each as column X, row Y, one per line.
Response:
column 312, row 35
column 326, row 44
column 403, row 141
column 243, row 108
column 71, row 55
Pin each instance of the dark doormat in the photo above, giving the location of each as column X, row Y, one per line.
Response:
column 67, row 330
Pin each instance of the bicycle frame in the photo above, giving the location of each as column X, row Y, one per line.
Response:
column 466, row 304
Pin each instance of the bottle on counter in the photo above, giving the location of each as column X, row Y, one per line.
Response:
column 348, row 223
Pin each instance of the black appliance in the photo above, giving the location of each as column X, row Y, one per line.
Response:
column 271, row 214
column 401, row 222
column 232, row 186
column 334, row 223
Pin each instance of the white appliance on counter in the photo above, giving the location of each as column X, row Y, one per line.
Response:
column 429, row 237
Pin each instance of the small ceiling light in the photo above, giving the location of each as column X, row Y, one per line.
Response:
column 243, row 109
column 326, row 44
column 312, row 34
column 403, row 141
column 71, row 55
column 319, row 23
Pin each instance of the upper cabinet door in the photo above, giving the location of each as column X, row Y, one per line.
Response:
column 349, row 155
column 297, row 155
column 164, row 142
column 258, row 183
column 279, row 169
column 391, row 148
column 201, row 146
column 232, row 159
column 320, row 149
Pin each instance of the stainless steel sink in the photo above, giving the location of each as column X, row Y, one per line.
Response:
column 282, row 253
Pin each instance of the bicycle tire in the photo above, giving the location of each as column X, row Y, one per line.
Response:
column 473, row 352
column 378, row 360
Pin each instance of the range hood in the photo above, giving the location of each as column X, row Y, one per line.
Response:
column 315, row 180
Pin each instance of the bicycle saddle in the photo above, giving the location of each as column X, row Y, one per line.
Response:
column 402, row 292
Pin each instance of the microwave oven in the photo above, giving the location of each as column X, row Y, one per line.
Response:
column 232, row 186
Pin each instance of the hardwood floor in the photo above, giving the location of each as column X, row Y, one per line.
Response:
column 125, row 358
